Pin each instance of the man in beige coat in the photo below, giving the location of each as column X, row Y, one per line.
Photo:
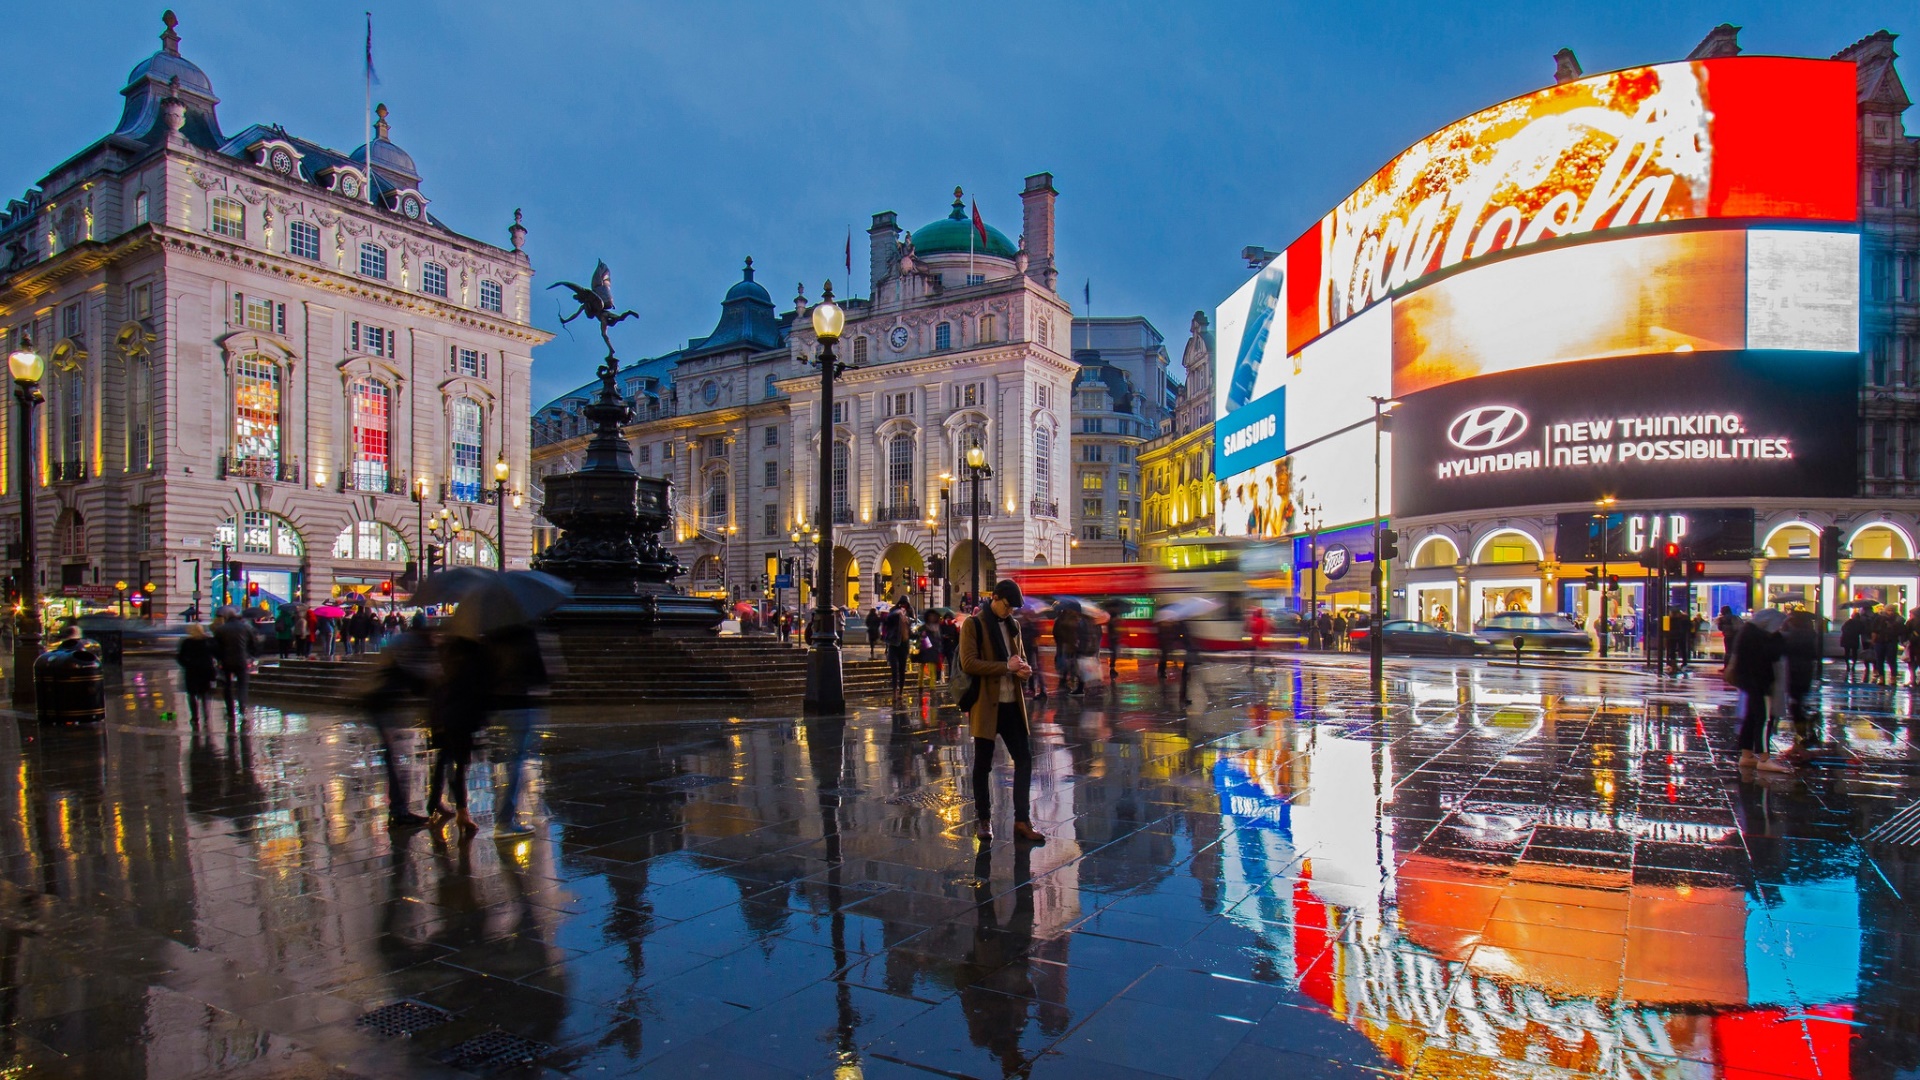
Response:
column 990, row 652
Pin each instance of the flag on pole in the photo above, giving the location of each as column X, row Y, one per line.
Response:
column 371, row 79
column 372, row 76
column 849, row 260
column 1087, row 295
column 979, row 226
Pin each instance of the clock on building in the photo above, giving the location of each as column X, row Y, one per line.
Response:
column 350, row 186
column 281, row 162
column 897, row 337
column 710, row 392
column 410, row 206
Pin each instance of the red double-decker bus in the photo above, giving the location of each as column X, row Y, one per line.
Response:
column 1127, row 587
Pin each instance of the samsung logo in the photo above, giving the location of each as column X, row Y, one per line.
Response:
column 1247, row 437
column 1488, row 427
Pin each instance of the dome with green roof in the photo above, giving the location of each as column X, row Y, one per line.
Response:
column 954, row 233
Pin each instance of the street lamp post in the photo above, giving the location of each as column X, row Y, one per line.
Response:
column 500, row 471
column 120, row 596
column 826, row 692
column 149, row 588
column 1605, row 516
column 1376, row 640
column 421, row 568
column 977, row 471
column 1313, row 578
column 26, row 366
column 946, row 514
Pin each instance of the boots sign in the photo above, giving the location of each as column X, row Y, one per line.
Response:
column 1657, row 427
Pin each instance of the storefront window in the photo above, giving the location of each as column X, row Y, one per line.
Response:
column 1879, row 542
column 1791, row 542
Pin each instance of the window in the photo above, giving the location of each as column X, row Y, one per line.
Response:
column 141, row 209
column 373, row 261
column 970, row 395
column 1092, row 453
column 1043, row 330
column 773, row 436
column 72, row 323
column 259, row 314
column 770, row 520
column 471, row 548
column 433, row 279
column 228, row 218
column 139, row 414
column 839, row 412
column 1043, row 465
column 1882, row 273
column 900, row 471
column 469, row 362
column 256, row 416
column 988, row 329
column 717, row 496
column 1877, row 463
column 859, row 350
column 373, row 340
column 943, row 336
column 976, row 279
column 73, row 537
column 1878, row 188
column 1126, row 454
column 371, row 402
column 140, row 301
column 1125, row 483
column 370, row 541
column 1906, row 196
column 899, row 404
column 1903, row 284
column 1877, row 360
column 1120, row 505
column 1913, row 452
column 1090, row 425
column 303, row 240
column 772, row 477
column 842, row 482
column 771, row 388
column 1092, row 508
column 143, row 530
column 490, row 296
column 466, row 479
column 716, row 446
column 643, row 454
column 73, row 417
column 1040, row 395
column 1093, row 481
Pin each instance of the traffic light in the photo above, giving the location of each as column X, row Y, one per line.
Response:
column 937, row 567
column 1613, row 581
column 1830, row 550
column 1593, row 578
column 1650, row 558
column 1670, row 558
column 253, row 591
column 386, row 588
column 921, row 582
column 1389, row 547
column 410, row 575
column 1696, row 568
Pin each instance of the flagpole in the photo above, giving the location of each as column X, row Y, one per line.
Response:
column 369, row 114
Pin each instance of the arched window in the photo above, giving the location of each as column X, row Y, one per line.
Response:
column 256, row 418
column 371, row 402
column 1879, row 542
column 139, row 414
column 228, row 218
column 1793, row 541
column 370, row 541
column 141, row 209
column 1435, row 551
column 260, row 533
column 716, row 498
column 900, row 473
column 470, row 547
column 842, row 483
column 73, row 417
column 771, row 389
column 466, row 450
column 1042, row 464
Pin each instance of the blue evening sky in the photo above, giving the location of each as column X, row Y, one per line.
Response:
column 673, row 139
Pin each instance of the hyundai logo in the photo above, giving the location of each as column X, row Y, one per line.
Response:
column 1488, row 427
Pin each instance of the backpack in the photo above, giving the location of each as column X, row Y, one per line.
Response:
column 897, row 627
column 963, row 689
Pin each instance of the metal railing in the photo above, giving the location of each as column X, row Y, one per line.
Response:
column 843, row 515
column 906, row 512
column 1043, row 508
column 66, row 471
column 249, row 468
column 389, row 484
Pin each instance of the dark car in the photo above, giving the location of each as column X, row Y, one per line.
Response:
column 1553, row 630
column 1407, row 637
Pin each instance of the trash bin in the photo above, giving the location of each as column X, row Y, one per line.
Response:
column 68, row 685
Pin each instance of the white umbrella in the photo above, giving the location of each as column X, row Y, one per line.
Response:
column 1188, row 607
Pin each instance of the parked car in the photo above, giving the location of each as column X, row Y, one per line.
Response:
column 1406, row 637
column 1552, row 630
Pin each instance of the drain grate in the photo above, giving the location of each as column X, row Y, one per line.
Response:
column 925, row 798
column 1902, row 828
column 688, row 782
column 870, row 886
column 494, row 1050
column 402, row 1018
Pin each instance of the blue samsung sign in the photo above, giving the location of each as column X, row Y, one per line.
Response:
column 1251, row 435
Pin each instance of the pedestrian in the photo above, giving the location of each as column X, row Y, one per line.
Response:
column 1257, row 632
column 1088, row 654
column 1340, row 631
column 1885, row 637
column 1851, row 633
column 283, row 630
column 198, row 669
column 520, row 688
column 327, row 630
column 990, row 653
column 1029, row 647
column 873, row 630
column 1323, row 625
column 949, row 641
column 1066, row 648
column 1756, row 647
column 234, row 646
column 302, row 631
column 1166, row 637
column 1113, row 645
column 405, row 668
column 899, row 639
column 926, row 654
column 1800, row 644
column 456, row 710
column 1910, row 635
column 1190, row 647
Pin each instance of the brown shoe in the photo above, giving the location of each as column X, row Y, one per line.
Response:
column 1026, row 832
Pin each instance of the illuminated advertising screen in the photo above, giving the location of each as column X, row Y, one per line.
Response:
column 1705, row 425
column 1727, row 138
column 1707, row 534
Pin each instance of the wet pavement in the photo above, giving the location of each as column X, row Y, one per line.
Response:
column 1503, row 873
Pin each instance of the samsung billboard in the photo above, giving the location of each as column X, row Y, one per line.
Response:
column 1600, row 247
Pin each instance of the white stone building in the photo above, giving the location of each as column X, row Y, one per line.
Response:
column 251, row 339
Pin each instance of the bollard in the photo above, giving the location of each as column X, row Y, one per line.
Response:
column 69, row 686
column 1519, row 644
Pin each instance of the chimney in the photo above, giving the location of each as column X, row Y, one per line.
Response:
column 1036, row 204
column 1722, row 40
column 883, row 241
column 1566, row 66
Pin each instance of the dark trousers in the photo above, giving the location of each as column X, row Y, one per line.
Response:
column 897, row 662
column 233, row 687
column 383, row 723
column 1755, row 727
column 449, row 772
column 1012, row 724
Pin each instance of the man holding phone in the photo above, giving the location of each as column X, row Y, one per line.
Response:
column 990, row 652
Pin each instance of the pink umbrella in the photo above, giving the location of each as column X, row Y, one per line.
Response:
column 330, row 611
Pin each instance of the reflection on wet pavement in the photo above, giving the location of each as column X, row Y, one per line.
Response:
column 1501, row 873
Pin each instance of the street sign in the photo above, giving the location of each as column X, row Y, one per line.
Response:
column 783, row 581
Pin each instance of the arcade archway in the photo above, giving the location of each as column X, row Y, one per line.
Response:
column 846, row 570
column 963, row 567
column 900, row 570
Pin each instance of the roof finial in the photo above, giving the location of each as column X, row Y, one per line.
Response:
column 749, row 271
column 169, row 41
column 380, row 126
column 517, row 232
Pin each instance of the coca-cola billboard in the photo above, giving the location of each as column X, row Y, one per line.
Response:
column 1766, row 138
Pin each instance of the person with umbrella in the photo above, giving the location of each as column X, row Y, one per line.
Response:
column 1114, row 609
column 234, row 646
column 199, row 666
column 873, row 630
column 405, row 666
column 1066, row 647
column 1756, row 648
column 1851, row 633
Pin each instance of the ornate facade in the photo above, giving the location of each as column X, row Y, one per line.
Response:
column 1176, row 468
column 258, row 342
column 1121, row 397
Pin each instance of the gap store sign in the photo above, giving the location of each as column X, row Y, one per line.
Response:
column 1252, row 435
